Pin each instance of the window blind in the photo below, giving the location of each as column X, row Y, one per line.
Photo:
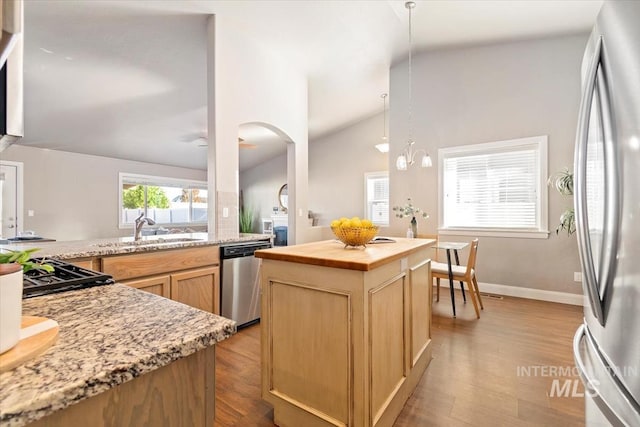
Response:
column 494, row 189
column 377, row 203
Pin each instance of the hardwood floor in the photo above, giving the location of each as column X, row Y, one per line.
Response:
column 498, row 370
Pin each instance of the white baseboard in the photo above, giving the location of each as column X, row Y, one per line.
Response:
column 530, row 293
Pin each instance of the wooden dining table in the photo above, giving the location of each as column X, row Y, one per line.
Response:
column 455, row 247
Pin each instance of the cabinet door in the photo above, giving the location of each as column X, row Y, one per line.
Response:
column 88, row 263
column 158, row 285
column 199, row 288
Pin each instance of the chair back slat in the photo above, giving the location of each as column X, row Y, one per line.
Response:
column 473, row 252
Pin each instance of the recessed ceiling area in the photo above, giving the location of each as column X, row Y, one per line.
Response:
column 127, row 79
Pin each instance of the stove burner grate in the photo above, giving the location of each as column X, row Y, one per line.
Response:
column 65, row 277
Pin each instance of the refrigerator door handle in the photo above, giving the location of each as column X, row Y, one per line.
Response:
column 612, row 192
column 580, row 199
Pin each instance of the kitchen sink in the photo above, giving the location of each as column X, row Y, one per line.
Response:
column 159, row 241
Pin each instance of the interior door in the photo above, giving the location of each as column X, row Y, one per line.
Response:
column 9, row 175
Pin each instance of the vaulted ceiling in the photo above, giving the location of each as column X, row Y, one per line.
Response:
column 127, row 78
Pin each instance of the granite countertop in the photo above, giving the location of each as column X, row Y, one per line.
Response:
column 124, row 245
column 108, row 335
column 332, row 253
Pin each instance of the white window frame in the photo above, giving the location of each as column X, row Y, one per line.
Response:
column 158, row 181
column 539, row 144
column 367, row 176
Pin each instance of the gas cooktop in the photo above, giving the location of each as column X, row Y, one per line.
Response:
column 65, row 277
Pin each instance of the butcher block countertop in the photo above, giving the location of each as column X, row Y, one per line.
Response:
column 108, row 335
column 332, row 253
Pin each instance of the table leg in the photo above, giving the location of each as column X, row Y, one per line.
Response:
column 453, row 300
column 464, row 298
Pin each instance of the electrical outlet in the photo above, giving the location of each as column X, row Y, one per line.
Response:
column 577, row 276
column 225, row 212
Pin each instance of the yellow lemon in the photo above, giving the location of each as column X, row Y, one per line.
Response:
column 345, row 224
column 335, row 223
column 355, row 222
column 343, row 219
column 355, row 218
column 366, row 223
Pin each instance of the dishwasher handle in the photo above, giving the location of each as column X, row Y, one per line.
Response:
column 241, row 250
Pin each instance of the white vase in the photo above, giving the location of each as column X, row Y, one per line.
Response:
column 10, row 305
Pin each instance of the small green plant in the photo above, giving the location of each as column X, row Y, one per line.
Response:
column 23, row 258
column 563, row 182
column 246, row 220
column 567, row 222
column 408, row 210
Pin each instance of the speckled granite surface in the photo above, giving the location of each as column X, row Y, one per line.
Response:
column 124, row 245
column 108, row 335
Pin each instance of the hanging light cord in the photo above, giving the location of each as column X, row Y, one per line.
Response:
column 384, row 116
column 410, row 6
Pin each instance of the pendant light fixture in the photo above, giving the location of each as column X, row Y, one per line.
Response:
column 383, row 147
column 408, row 156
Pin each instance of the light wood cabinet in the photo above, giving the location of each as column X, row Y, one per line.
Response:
column 88, row 263
column 344, row 343
column 178, row 394
column 123, row 267
column 159, row 285
column 190, row 275
column 199, row 288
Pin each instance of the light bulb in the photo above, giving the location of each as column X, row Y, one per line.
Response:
column 401, row 163
column 426, row 161
column 383, row 148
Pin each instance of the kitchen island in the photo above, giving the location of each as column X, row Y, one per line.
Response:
column 346, row 332
column 123, row 357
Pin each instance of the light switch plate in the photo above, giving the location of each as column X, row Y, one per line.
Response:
column 577, row 276
column 225, row 212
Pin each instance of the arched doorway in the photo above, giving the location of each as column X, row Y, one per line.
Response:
column 266, row 164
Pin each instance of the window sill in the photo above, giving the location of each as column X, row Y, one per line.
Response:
column 520, row 234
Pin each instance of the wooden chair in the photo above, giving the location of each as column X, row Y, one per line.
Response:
column 461, row 273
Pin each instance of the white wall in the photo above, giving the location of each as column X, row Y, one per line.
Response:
column 252, row 83
column 75, row 196
column 337, row 164
column 493, row 93
column 465, row 96
column 260, row 186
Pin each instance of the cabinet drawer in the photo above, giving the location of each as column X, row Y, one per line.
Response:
column 157, row 262
column 88, row 263
column 158, row 285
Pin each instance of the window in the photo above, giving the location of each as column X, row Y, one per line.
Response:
column 377, row 197
column 497, row 188
column 167, row 201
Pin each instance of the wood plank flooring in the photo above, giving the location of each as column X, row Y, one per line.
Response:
column 494, row 371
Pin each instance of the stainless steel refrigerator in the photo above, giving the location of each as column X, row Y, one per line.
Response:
column 607, row 207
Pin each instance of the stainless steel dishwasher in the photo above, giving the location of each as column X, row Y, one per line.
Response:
column 240, row 289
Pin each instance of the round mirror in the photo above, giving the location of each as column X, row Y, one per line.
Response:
column 283, row 197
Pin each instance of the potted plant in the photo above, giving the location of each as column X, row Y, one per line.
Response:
column 246, row 220
column 563, row 182
column 12, row 266
column 409, row 210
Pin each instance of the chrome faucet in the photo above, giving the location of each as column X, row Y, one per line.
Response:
column 140, row 221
